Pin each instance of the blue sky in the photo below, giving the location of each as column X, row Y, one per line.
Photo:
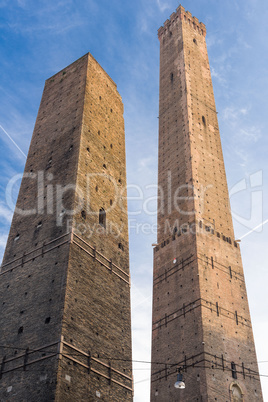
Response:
column 39, row 38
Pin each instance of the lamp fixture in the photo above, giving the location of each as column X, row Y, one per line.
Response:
column 180, row 384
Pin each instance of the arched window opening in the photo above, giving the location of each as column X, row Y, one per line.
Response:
column 102, row 217
column 194, row 40
column 236, row 393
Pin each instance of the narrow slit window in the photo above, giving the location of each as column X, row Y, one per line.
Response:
column 233, row 368
column 102, row 217
column 83, row 214
column 204, row 120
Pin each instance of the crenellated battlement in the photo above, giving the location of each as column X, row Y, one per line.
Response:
column 184, row 16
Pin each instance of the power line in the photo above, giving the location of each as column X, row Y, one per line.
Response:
column 170, row 365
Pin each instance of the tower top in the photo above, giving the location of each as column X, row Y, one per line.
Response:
column 185, row 16
column 88, row 55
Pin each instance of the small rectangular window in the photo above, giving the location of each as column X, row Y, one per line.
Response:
column 102, row 217
column 233, row 368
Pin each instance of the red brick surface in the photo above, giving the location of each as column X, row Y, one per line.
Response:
column 65, row 280
column 201, row 320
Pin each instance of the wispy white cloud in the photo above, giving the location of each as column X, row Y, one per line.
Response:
column 213, row 40
column 163, row 5
column 243, row 158
column 250, row 134
column 56, row 28
column 242, row 135
column 236, row 118
column 233, row 114
column 146, row 163
column 3, row 240
column 21, row 3
column 5, row 213
column 50, row 17
column 218, row 75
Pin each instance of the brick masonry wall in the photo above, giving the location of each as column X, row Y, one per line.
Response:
column 201, row 318
column 65, row 278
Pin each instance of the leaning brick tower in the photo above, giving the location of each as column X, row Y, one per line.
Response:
column 201, row 320
column 64, row 282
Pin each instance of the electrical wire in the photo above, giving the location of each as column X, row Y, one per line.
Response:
column 108, row 357
column 168, row 365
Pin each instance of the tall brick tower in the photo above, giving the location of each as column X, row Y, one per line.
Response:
column 201, row 319
column 65, row 287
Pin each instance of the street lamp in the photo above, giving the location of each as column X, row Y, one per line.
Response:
column 179, row 383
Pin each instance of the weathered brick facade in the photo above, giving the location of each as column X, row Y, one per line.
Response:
column 65, row 285
column 201, row 319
